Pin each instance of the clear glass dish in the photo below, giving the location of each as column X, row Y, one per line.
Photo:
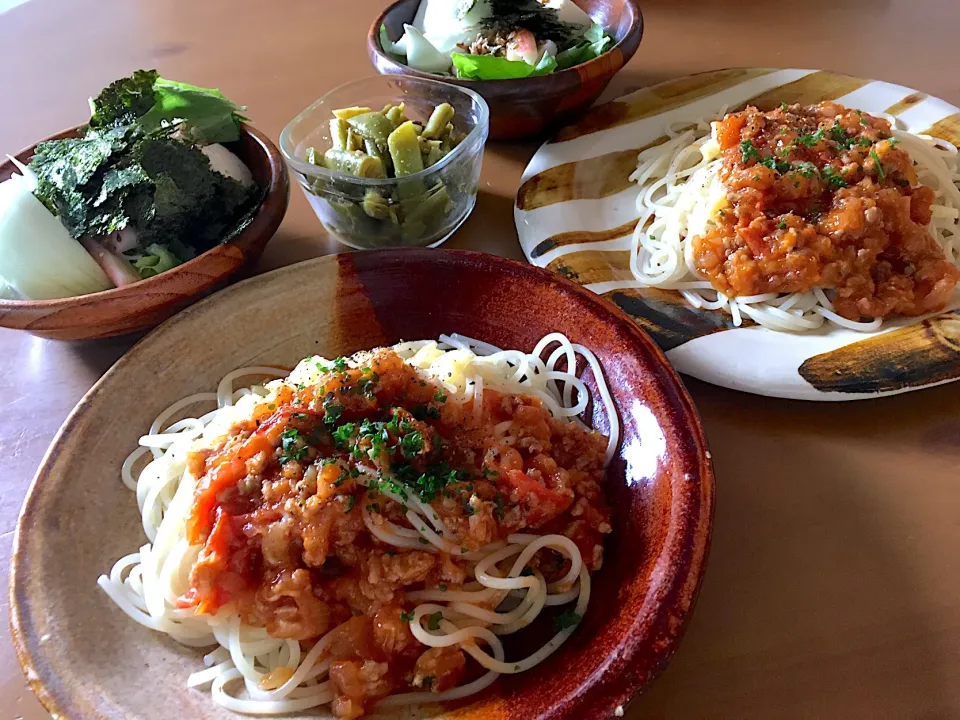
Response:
column 419, row 210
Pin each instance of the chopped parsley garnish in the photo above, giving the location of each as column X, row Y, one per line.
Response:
column 876, row 159
column 292, row 446
column 411, row 444
column 811, row 140
column 832, row 178
column 864, row 141
column 498, row 509
column 839, row 136
column 807, row 169
column 567, row 620
column 342, row 435
column 440, row 397
column 331, row 412
column 433, row 621
column 340, row 364
column 442, row 587
column 428, row 483
column 749, row 151
column 783, row 106
column 373, row 507
column 406, row 617
column 351, row 501
column 782, row 225
column 776, row 165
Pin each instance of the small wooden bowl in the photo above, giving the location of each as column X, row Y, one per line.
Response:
column 521, row 108
column 149, row 302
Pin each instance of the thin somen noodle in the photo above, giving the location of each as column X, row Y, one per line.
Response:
column 796, row 218
column 439, row 564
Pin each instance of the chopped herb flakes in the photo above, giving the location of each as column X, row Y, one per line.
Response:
column 566, row 620
column 879, row 165
column 811, row 140
column 433, row 621
column 406, row 617
column 749, row 151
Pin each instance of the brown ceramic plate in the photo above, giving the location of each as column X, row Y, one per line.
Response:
column 576, row 213
column 149, row 302
column 525, row 107
column 86, row 659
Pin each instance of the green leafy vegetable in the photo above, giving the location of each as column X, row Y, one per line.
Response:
column 879, row 165
column 832, row 178
column 207, row 114
column 595, row 43
column 566, row 620
column 433, row 621
column 490, row 67
column 157, row 260
column 388, row 45
column 811, row 140
column 749, row 151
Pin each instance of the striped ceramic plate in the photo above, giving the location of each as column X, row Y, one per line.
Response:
column 575, row 213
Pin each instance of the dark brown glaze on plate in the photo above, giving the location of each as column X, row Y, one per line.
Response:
column 920, row 355
column 661, row 481
column 525, row 107
column 149, row 302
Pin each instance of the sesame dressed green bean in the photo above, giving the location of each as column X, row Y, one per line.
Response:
column 388, row 144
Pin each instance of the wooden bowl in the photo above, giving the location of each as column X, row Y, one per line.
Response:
column 521, row 108
column 86, row 659
column 149, row 302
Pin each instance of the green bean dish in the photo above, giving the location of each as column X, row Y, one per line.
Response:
column 386, row 144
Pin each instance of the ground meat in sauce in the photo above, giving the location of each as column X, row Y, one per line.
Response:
column 824, row 196
column 278, row 510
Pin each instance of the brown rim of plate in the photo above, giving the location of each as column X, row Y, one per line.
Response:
column 278, row 188
column 640, row 657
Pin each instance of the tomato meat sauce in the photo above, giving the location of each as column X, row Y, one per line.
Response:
column 279, row 510
column 824, row 196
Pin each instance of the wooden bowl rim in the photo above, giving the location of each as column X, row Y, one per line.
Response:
column 668, row 620
column 276, row 187
column 558, row 82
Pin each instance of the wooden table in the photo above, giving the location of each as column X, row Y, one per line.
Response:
column 833, row 588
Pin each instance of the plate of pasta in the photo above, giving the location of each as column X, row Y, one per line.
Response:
column 792, row 233
column 335, row 508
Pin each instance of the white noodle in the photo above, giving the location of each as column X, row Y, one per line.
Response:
column 146, row 585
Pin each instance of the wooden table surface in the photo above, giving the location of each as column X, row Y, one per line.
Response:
column 833, row 586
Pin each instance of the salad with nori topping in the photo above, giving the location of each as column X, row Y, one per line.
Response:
column 146, row 186
column 497, row 39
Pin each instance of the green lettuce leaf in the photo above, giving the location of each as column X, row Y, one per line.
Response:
column 489, row 67
column 595, row 42
column 388, row 45
column 209, row 116
column 156, row 260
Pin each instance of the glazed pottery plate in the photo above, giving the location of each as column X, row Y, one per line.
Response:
column 86, row 659
column 576, row 212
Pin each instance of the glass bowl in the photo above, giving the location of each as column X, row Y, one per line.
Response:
column 419, row 210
